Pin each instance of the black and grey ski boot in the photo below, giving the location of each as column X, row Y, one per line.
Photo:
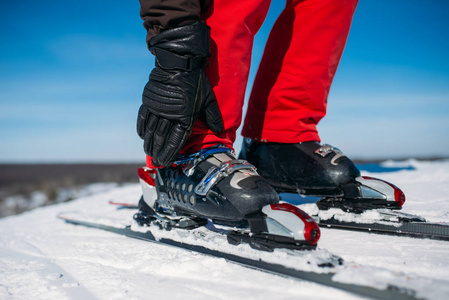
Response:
column 312, row 169
column 213, row 185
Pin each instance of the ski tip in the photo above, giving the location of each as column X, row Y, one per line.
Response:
column 64, row 216
column 123, row 204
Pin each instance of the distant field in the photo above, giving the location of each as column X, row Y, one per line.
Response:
column 19, row 183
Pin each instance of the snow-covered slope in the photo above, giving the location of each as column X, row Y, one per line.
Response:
column 41, row 257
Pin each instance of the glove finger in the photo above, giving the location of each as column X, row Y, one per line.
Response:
column 210, row 112
column 174, row 144
column 160, row 137
column 212, row 116
column 142, row 118
column 149, row 133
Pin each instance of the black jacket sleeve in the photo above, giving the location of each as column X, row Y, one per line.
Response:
column 158, row 15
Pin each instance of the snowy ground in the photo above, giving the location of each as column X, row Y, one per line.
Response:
column 42, row 257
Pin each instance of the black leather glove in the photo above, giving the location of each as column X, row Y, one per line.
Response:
column 177, row 92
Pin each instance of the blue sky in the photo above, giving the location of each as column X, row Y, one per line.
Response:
column 71, row 77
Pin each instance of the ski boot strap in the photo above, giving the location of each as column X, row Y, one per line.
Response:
column 191, row 161
column 215, row 174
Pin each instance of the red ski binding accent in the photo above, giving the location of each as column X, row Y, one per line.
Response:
column 399, row 195
column 311, row 228
column 148, row 175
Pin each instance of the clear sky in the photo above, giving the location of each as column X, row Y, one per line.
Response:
column 72, row 73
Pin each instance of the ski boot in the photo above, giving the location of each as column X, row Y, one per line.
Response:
column 212, row 184
column 311, row 169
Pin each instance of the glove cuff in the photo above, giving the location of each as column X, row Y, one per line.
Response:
column 172, row 61
column 185, row 47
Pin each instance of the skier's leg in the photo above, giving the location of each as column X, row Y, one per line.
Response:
column 289, row 98
column 289, row 95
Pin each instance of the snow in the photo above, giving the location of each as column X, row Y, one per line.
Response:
column 42, row 257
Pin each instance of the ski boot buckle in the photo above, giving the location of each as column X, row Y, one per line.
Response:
column 215, row 174
column 191, row 161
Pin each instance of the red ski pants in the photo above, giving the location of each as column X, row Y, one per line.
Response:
column 289, row 95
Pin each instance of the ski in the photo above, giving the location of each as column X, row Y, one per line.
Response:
column 317, row 266
column 413, row 229
column 384, row 221
column 389, row 222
